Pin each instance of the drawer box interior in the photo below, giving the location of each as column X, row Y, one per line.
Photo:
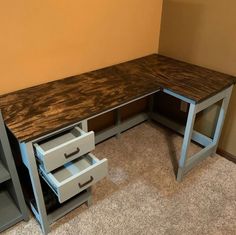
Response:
column 73, row 168
column 60, row 139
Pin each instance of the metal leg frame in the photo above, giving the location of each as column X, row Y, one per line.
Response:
column 187, row 139
column 89, row 201
column 120, row 127
column 30, row 162
column 210, row 144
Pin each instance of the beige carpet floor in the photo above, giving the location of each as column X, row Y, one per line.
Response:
column 141, row 195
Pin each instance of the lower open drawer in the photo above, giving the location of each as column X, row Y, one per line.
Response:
column 75, row 176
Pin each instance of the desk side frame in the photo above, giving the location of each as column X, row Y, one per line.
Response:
column 186, row 163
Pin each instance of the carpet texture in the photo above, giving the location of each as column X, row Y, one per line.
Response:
column 141, row 195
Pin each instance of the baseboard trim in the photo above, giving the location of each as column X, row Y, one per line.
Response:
column 226, row 155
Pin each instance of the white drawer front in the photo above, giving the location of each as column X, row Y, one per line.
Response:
column 64, row 148
column 74, row 177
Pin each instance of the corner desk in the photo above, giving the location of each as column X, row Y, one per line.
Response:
column 63, row 107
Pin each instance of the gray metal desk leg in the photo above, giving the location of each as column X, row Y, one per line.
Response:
column 90, row 198
column 29, row 160
column 84, row 125
column 187, row 139
column 220, row 121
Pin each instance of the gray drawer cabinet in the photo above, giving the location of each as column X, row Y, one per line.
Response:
column 63, row 160
column 66, row 164
column 12, row 205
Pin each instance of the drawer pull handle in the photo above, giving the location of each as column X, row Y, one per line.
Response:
column 71, row 154
column 84, row 184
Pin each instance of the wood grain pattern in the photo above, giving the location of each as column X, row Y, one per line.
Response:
column 38, row 110
column 191, row 81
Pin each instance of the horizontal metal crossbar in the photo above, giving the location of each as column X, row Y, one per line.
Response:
column 123, row 126
column 196, row 136
column 196, row 158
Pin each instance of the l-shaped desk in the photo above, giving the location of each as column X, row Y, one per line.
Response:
column 41, row 112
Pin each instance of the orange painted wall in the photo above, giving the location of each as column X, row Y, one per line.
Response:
column 46, row 40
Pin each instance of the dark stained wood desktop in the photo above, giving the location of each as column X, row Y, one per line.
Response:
column 191, row 81
column 36, row 111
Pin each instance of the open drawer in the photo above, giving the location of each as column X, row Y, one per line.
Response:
column 75, row 176
column 64, row 147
